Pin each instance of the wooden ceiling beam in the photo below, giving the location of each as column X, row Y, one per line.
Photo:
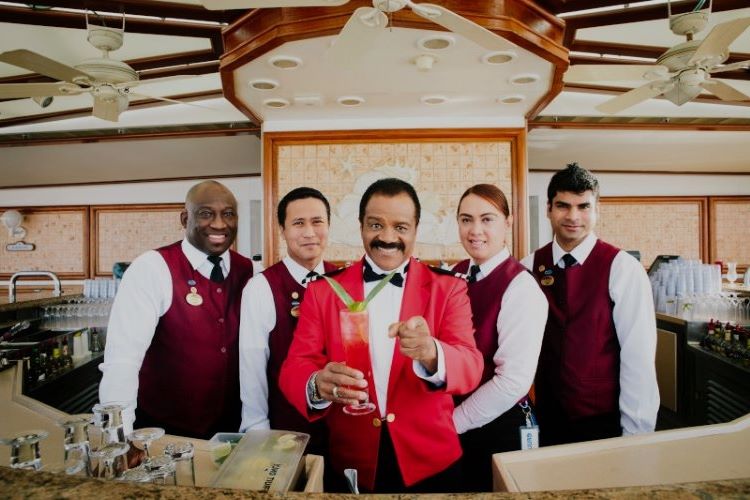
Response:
column 58, row 19
column 558, row 6
column 144, row 8
column 647, row 13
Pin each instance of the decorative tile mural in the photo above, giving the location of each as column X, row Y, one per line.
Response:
column 440, row 172
column 125, row 232
column 730, row 236
column 60, row 239
column 653, row 226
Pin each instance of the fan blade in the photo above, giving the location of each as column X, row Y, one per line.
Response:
column 731, row 67
column 614, row 72
column 462, row 26
column 19, row 90
column 358, row 36
column 106, row 109
column 261, row 4
column 43, row 65
column 167, row 99
column 724, row 91
column 631, row 98
column 717, row 42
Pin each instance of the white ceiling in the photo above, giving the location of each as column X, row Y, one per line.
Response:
column 392, row 87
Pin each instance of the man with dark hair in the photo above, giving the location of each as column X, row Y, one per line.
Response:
column 596, row 376
column 270, row 308
column 172, row 340
column 422, row 352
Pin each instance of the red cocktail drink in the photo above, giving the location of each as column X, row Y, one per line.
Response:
column 354, row 335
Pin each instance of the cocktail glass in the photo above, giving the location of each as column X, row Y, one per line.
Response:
column 182, row 453
column 146, row 436
column 354, row 335
column 107, row 455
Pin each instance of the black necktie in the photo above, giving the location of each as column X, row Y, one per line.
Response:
column 371, row 275
column 473, row 271
column 217, row 276
column 309, row 277
column 569, row 260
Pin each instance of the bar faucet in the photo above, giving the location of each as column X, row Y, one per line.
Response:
column 12, row 283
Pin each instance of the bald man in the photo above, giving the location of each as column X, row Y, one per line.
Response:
column 172, row 341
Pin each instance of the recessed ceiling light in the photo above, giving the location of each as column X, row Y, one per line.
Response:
column 499, row 57
column 263, row 84
column 436, row 42
column 276, row 102
column 350, row 100
column 511, row 99
column 433, row 99
column 285, row 62
column 524, row 79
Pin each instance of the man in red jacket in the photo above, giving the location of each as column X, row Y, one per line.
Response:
column 422, row 352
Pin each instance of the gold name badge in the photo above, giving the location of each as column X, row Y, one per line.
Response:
column 193, row 298
column 547, row 281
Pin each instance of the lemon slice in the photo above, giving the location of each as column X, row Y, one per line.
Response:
column 220, row 452
column 286, row 442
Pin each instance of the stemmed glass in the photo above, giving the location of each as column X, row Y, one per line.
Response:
column 162, row 469
column 146, row 436
column 24, row 451
column 182, row 453
column 107, row 455
column 355, row 337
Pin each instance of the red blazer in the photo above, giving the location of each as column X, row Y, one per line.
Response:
column 424, row 438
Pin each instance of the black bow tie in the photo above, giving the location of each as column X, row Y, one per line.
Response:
column 370, row 275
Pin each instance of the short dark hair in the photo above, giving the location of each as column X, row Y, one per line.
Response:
column 300, row 193
column 573, row 179
column 390, row 187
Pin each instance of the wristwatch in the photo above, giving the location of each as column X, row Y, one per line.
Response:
column 312, row 390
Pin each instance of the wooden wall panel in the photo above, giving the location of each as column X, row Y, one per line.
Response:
column 656, row 225
column 61, row 239
column 122, row 232
column 441, row 164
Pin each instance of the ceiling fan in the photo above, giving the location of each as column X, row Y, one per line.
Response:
column 366, row 23
column 682, row 72
column 109, row 81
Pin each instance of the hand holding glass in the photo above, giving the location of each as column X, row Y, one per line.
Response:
column 354, row 336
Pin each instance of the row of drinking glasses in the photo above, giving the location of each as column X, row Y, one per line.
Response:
column 110, row 452
column 77, row 313
column 724, row 307
column 100, row 288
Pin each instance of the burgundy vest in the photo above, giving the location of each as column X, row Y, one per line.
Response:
column 189, row 378
column 281, row 413
column 486, row 296
column 579, row 366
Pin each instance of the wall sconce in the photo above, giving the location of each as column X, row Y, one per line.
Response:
column 12, row 219
column 43, row 102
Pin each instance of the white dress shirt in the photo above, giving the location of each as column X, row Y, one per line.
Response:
column 144, row 296
column 384, row 310
column 520, row 329
column 635, row 324
column 257, row 320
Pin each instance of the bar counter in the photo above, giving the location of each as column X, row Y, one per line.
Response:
column 18, row 412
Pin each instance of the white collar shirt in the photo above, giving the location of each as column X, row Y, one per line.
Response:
column 257, row 320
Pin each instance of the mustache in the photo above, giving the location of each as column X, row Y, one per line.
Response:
column 398, row 245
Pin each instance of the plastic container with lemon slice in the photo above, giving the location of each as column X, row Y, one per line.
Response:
column 263, row 460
